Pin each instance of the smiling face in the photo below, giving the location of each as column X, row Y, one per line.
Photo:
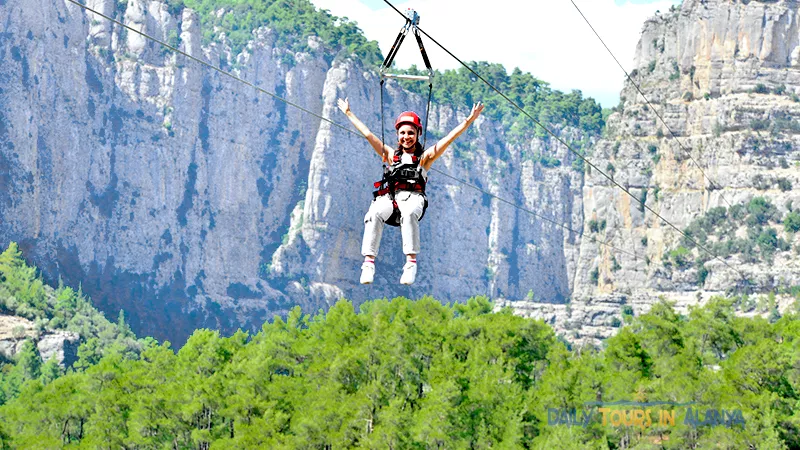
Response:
column 407, row 136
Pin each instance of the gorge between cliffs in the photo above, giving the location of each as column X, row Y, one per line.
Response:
column 189, row 200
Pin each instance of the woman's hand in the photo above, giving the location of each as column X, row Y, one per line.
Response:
column 476, row 111
column 436, row 151
column 344, row 106
column 380, row 149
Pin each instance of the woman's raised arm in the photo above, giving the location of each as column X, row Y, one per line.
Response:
column 433, row 153
column 384, row 151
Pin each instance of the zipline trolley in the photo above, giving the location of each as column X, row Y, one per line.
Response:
column 412, row 22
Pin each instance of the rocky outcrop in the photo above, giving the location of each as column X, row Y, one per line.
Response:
column 724, row 76
column 58, row 344
column 188, row 199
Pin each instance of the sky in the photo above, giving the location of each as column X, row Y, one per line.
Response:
column 549, row 39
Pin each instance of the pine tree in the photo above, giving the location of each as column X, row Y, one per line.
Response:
column 50, row 371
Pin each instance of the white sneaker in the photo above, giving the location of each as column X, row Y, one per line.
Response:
column 367, row 272
column 409, row 273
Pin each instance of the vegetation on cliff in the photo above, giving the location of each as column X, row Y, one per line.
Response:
column 754, row 231
column 23, row 293
column 419, row 374
column 292, row 21
column 549, row 106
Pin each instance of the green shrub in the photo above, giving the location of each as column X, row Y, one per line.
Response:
column 597, row 226
column 702, row 274
column 173, row 38
column 767, row 241
column 615, row 264
column 549, row 161
column 791, row 222
column 680, row 257
column 761, row 211
column 643, row 200
column 578, row 165
column 760, row 183
column 761, row 89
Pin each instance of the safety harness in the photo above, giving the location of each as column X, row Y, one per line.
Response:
column 399, row 176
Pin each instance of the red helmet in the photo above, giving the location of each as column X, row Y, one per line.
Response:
column 409, row 117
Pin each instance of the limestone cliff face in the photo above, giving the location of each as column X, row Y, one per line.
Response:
column 59, row 344
column 725, row 77
column 188, row 199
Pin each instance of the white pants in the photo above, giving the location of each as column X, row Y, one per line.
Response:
column 411, row 205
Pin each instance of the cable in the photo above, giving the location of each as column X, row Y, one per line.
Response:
column 538, row 216
column 288, row 102
column 210, row 66
column 145, row 35
column 341, row 126
column 559, row 139
column 688, row 153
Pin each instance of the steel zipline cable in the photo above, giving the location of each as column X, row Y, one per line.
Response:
column 579, row 233
column 638, row 88
column 349, row 130
column 569, row 147
column 211, row 66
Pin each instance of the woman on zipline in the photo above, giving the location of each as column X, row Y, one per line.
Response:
column 401, row 192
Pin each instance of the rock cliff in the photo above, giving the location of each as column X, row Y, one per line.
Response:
column 724, row 77
column 59, row 344
column 188, row 199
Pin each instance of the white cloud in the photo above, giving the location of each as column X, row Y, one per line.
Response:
column 546, row 38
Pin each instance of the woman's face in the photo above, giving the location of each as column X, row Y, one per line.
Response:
column 407, row 136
